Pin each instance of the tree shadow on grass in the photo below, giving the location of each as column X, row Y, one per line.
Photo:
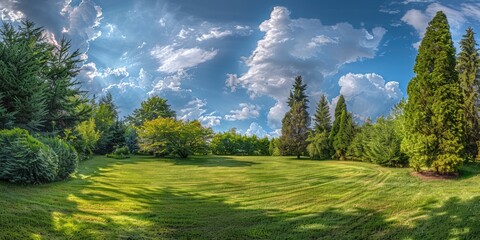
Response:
column 56, row 211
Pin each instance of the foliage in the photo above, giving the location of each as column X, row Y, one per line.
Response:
column 131, row 139
column 38, row 87
column 24, row 159
column 150, row 109
column 322, row 119
column 434, row 115
column 273, row 147
column 383, row 147
column 233, row 143
column 343, row 130
column 357, row 148
column 344, row 136
column 468, row 63
column 105, row 115
column 84, row 137
column 67, row 156
column 167, row 136
column 296, row 121
column 120, row 153
column 319, row 146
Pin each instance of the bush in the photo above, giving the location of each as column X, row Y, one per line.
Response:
column 67, row 156
column 24, row 159
column 120, row 153
column 319, row 146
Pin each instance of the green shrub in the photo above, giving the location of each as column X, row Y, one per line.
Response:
column 24, row 159
column 67, row 156
column 120, row 153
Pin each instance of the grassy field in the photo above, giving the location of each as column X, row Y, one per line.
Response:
column 242, row 198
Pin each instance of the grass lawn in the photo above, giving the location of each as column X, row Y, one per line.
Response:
column 242, row 198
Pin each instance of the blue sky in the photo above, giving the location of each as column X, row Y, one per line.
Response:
column 232, row 63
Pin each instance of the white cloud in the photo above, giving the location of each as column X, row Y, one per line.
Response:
column 246, row 111
column 118, row 72
column 417, row 1
column 173, row 60
column 257, row 130
column 457, row 18
column 207, row 32
column 195, row 109
column 142, row 45
column 210, row 120
column 171, row 82
column 214, row 33
column 368, row 95
column 304, row 47
column 84, row 20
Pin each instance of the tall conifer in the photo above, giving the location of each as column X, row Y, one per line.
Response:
column 468, row 63
column 296, row 121
column 434, row 111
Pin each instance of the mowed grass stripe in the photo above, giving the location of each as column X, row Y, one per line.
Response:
column 241, row 198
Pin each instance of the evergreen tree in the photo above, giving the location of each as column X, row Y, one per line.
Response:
column 434, row 115
column 344, row 136
column 106, row 115
column 296, row 121
column 468, row 62
column 341, row 106
column 322, row 119
column 37, row 80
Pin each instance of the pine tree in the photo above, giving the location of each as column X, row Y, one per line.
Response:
column 296, row 121
column 434, row 111
column 322, row 119
column 468, row 62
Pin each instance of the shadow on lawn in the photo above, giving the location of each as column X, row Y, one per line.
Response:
column 171, row 213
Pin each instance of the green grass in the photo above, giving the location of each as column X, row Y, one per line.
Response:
column 242, row 198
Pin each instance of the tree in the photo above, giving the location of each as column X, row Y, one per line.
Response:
column 84, row 137
column 38, row 85
column 296, row 121
column 434, row 116
column 150, row 109
column 344, row 136
column 106, row 117
column 322, row 119
column 319, row 146
column 339, row 108
column 163, row 136
column 468, row 62
column 342, row 131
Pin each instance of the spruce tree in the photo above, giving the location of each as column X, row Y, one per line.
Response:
column 468, row 62
column 434, row 111
column 322, row 119
column 296, row 121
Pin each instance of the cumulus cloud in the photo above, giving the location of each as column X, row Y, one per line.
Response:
column 257, row 130
column 210, row 120
column 246, row 111
column 79, row 23
column 304, row 47
column 195, row 109
column 173, row 60
column 369, row 95
column 457, row 17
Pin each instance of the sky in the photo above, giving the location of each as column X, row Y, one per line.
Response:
column 231, row 64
